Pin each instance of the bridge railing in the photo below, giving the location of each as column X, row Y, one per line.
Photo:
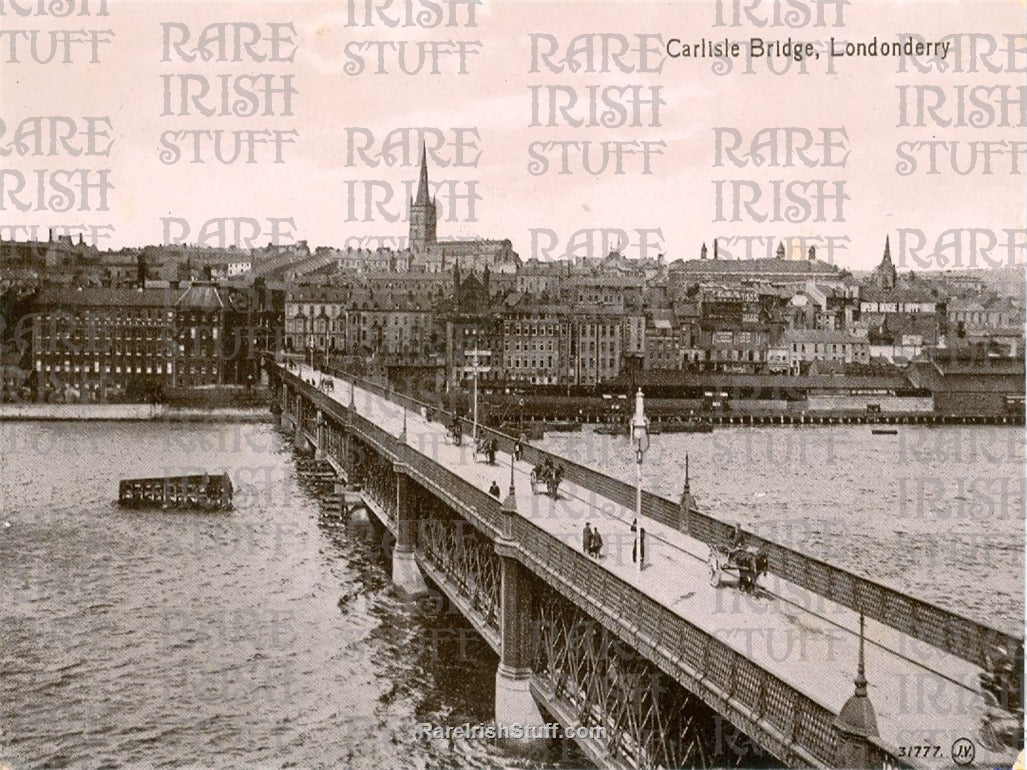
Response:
column 700, row 662
column 944, row 629
column 478, row 503
column 479, row 506
column 798, row 727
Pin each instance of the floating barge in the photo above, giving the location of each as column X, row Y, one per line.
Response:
column 200, row 493
column 686, row 426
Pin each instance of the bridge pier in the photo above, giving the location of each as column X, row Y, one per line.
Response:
column 514, row 702
column 283, row 416
column 406, row 575
column 319, row 449
column 297, row 435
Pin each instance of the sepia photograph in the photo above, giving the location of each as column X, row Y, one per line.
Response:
column 538, row 384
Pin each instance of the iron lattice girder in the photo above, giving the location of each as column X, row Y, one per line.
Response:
column 463, row 555
column 779, row 729
column 379, row 481
column 774, row 722
column 648, row 717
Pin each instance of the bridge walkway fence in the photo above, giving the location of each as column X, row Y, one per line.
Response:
column 795, row 727
column 967, row 639
column 785, row 720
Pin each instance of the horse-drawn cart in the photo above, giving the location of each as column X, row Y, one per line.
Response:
column 485, row 449
column 549, row 476
column 745, row 564
column 454, row 434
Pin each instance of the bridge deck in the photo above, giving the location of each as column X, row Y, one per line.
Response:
column 921, row 695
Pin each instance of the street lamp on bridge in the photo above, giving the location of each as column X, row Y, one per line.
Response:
column 475, row 369
column 640, row 438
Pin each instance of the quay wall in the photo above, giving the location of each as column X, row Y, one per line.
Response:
column 839, row 404
column 129, row 412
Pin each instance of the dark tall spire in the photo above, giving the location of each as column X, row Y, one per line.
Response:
column 861, row 679
column 687, row 503
column 422, row 186
column 886, row 273
column 856, row 723
column 423, row 212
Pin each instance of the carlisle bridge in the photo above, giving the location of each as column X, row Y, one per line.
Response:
column 813, row 666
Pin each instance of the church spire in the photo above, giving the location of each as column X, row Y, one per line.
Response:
column 423, row 211
column 886, row 274
column 422, row 186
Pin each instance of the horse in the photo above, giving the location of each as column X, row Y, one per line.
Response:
column 538, row 474
column 481, row 448
column 454, row 434
column 748, row 563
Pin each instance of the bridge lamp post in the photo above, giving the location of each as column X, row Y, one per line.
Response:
column 474, row 430
column 640, row 438
column 475, row 369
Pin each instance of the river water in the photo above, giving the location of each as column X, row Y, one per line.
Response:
column 260, row 637
column 267, row 637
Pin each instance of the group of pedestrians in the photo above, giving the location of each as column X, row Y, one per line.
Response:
column 592, row 542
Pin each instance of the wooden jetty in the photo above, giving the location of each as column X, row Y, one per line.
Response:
column 201, row 492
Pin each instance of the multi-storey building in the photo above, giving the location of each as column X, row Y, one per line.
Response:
column 980, row 314
column 807, row 345
column 89, row 344
column 536, row 342
column 200, row 332
column 664, row 348
column 393, row 326
column 597, row 345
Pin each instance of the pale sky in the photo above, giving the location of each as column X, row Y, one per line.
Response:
column 313, row 184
